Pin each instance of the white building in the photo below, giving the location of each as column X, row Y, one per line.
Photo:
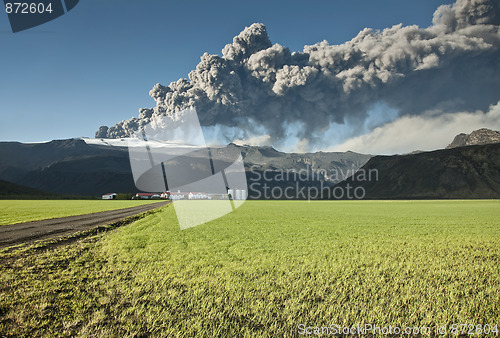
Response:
column 238, row 194
column 174, row 196
column 110, row 196
column 198, row 196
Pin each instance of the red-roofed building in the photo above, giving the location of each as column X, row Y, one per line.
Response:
column 110, row 196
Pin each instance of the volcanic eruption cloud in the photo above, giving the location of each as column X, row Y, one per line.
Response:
column 262, row 91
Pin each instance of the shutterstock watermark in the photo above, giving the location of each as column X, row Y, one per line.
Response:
column 28, row 14
column 364, row 329
column 368, row 329
column 169, row 157
column 309, row 184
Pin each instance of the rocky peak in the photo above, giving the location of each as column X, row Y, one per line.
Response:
column 477, row 137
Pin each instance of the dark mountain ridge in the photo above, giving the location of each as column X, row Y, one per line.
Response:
column 458, row 173
column 77, row 168
column 10, row 190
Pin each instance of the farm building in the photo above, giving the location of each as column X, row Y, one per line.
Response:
column 238, row 194
column 198, row 196
column 110, row 196
column 147, row 196
column 177, row 195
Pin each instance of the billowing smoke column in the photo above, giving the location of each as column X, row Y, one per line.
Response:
column 450, row 66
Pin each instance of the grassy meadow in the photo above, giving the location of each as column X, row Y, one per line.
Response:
column 19, row 211
column 263, row 270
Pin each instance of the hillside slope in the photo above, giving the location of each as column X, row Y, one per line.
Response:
column 10, row 190
column 457, row 173
column 77, row 168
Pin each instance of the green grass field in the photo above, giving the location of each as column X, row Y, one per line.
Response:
column 18, row 211
column 263, row 270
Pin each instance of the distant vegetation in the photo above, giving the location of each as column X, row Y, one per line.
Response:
column 263, row 270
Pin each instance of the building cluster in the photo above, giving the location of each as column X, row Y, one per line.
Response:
column 235, row 194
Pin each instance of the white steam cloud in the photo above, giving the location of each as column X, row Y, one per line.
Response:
column 258, row 88
column 422, row 132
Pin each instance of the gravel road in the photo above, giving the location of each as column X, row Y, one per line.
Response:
column 25, row 233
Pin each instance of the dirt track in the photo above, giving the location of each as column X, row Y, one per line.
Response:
column 23, row 233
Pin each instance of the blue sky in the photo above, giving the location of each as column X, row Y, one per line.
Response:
column 96, row 64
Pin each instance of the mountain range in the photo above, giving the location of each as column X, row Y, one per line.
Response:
column 75, row 167
column 456, row 173
column 468, row 168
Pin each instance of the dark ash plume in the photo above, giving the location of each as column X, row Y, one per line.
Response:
column 450, row 66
